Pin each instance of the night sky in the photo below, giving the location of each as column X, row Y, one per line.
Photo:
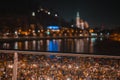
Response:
column 96, row 12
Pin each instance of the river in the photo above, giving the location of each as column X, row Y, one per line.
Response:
column 97, row 46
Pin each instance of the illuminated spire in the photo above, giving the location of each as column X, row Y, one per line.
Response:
column 78, row 15
column 78, row 20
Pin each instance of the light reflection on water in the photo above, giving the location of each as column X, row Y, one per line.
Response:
column 34, row 45
column 6, row 45
column 16, row 45
column 26, row 45
column 79, row 45
column 54, row 45
column 102, row 46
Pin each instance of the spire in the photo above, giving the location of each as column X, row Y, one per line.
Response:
column 78, row 20
column 78, row 15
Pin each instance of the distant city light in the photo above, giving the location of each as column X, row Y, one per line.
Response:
column 93, row 34
column 33, row 13
column 41, row 9
column 48, row 13
column 93, row 39
column 16, row 32
column 38, row 10
column 72, row 25
column 101, row 33
column 53, row 27
column 108, row 33
column 7, row 33
column 38, row 30
column 91, row 30
column 101, row 39
column 56, row 15
column 48, row 33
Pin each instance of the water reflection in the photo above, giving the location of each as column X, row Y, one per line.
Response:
column 61, row 45
column 16, row 45
column 33, row 45
column 41, row 45
column 85, row 45
column 79, row 45
column 101, row 39
column 38, row 46
column 91, row 44
column 6, row 45
column 20, row 45
column 52, row 45
column 26, row 45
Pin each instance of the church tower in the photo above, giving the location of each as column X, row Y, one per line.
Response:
column 78, row 20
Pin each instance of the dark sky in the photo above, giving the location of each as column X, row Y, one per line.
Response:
column 96, row 12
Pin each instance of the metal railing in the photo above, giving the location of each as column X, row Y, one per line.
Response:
column 15, row 64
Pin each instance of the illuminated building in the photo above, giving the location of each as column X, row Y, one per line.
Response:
column 83, row 25
column 86, row 24
column 53, row 28
column 80, row 23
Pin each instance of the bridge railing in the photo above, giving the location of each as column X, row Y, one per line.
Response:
column 10, row 60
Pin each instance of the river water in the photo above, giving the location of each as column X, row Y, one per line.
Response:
column 98, row 46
